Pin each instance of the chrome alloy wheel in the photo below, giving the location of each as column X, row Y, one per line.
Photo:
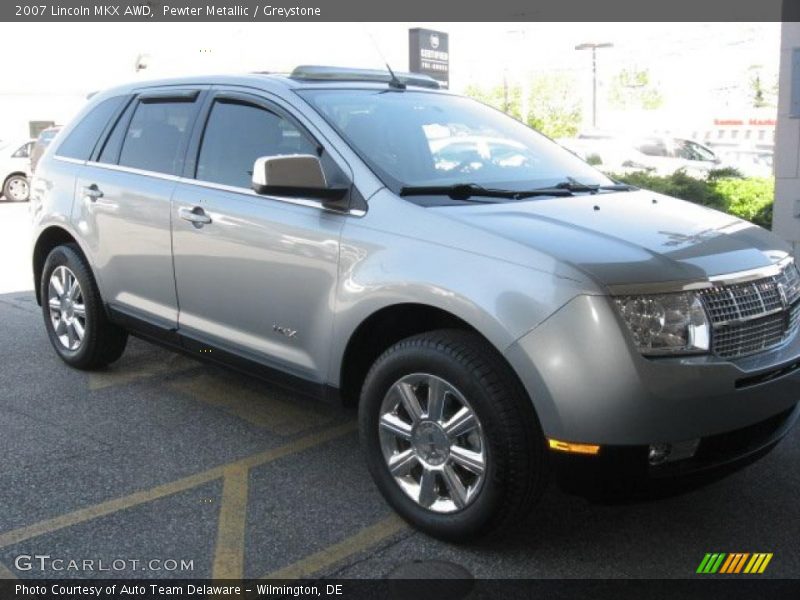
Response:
column 432, row 442
column 67, row 310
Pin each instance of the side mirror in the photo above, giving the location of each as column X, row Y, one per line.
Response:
column 295, row 176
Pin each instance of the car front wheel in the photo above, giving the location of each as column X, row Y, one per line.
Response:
column 451, row 440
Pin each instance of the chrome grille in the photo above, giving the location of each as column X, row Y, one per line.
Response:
column 753, row 316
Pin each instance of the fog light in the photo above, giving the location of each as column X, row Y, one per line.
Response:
column 659, row 453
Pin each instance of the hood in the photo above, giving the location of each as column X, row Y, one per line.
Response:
column 630, row 237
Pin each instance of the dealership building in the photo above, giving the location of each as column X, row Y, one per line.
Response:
column 786, row 216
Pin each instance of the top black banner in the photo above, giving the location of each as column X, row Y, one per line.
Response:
column 408, row 10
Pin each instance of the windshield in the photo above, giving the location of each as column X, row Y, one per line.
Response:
column 412, row 139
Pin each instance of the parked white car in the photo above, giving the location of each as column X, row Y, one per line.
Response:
column 662, row 155
column 668, row 154
column 610, row 155
column 14, row 169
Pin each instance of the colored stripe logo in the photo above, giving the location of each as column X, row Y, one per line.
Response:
column 734, row 563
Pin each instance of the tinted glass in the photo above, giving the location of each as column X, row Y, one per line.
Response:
column 80, row 142
column 113, row 144
column 691, row 151
column 23, row 151
column 237, row 134
column 155, row 136
column 417, row 138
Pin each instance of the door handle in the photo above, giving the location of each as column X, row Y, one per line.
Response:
column 92, row 192
column 196, row 215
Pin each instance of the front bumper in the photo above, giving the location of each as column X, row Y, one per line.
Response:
column 625, row 470
column 589, row 384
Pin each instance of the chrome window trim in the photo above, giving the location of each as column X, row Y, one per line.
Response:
column 667, row 287
column 67, row 159
column 133, row 170
column 222, row 187
column 248, row 192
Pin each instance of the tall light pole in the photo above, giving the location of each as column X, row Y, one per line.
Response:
column 593, row 47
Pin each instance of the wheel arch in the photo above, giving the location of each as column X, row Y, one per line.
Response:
column 49, row 238
column 12, row 174
column 387, row 326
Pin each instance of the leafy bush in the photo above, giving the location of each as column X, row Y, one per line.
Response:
column 749, row 199
column 725, row 189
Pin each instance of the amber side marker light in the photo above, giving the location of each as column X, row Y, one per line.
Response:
column 574, row 448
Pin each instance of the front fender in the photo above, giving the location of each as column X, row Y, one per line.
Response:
column 401, row 253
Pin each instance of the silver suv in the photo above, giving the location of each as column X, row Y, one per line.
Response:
column 497, row 309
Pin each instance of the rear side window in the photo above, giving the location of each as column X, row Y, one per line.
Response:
column 237, row 134
column 23, row 151
column 80, row 142
column 156, row 136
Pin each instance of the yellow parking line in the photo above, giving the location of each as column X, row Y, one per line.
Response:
column 284, row 416
column 111, row 506
column 5, row 573
column 141, row 367
column 363, row 540
column 229, row 553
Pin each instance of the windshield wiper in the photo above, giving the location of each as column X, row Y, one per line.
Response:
column 465, row 191
column 619, row 187
column 573, row 185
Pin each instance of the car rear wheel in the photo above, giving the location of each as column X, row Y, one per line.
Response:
column 74, row 316
column 16, row 188
column 451, row 440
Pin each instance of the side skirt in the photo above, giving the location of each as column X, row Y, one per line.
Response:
column 173, row 339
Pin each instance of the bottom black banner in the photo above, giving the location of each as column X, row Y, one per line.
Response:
column 733, row 588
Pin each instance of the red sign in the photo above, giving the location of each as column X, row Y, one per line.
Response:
column 741, row 122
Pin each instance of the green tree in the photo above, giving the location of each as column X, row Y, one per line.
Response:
column 760, row 95
column 633, row 89
column 505, row 97
column 553, row 106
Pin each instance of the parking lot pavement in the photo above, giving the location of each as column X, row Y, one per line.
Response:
column 161, row 457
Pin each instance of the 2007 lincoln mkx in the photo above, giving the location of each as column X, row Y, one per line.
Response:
column 495, row 306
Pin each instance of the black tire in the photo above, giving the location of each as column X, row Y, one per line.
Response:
column 7, row 188
column 103, row 342
column 516, row 461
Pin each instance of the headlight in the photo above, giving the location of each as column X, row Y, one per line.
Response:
column 666, row 323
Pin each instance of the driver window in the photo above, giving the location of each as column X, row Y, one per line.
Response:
column 237, row 134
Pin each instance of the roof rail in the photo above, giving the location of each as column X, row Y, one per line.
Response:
column 322, row 73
